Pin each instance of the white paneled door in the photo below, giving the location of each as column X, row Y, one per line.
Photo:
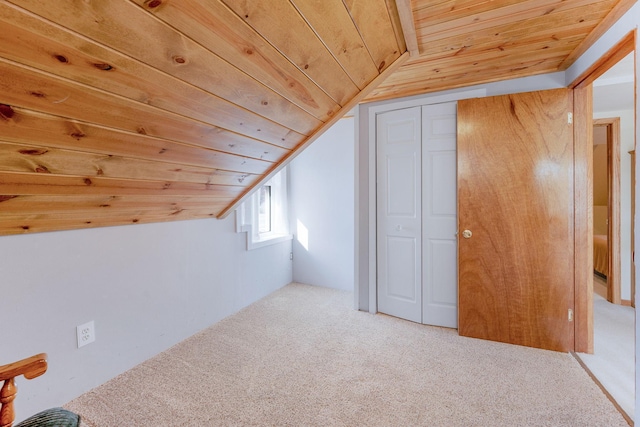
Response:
column 416, row 212
column 439, row 216
column 399, row 213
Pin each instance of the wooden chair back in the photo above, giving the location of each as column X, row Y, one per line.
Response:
column 30, row 368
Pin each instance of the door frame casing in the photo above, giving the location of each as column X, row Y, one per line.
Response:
column 583, row 140
column 613, row 211
column 365, row 297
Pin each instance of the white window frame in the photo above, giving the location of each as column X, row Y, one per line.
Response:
column 247, row 214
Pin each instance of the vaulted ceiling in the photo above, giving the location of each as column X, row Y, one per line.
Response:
column 134, row 111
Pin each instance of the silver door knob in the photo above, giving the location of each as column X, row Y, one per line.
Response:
column 467, row 234
column 398, row 228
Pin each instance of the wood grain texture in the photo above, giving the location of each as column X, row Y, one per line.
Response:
column 15, row 184
column 408, row 26
column 613, row 206
column 23, row 224
column 332, row 22
column 620, row 8
column 515, row 193
column 21, row 125
column 583, row 246
column 30, row 88
column 351, row 105
column 314, row 59
column 30, row 368
column 135, row 94
column 618, row 51
column 373, row 21
column 70, row 55
column 125, row 27
column 7, row 396
column 396, row 23
column 221, row 31
column 35, row 213
column 464, row 42
column 472, row 20
column 34, row 159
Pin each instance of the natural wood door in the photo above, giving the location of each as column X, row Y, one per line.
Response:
column 515, row 195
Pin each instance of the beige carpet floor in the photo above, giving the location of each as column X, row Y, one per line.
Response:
column 303, row 357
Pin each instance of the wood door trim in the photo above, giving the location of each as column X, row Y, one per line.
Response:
column 621, row 49
column 583, row 218
column 583, row 310
column 633, row 227
column 613, row 203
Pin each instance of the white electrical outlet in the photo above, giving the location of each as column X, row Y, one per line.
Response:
column 86, row 334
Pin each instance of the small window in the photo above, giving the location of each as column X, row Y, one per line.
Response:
column 264, row 215
column 264, row 209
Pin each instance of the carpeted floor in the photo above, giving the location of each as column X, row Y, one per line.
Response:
column 303, row 357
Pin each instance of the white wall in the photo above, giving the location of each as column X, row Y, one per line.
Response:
column 322, row 211
column 626, row 145
column 147, row 287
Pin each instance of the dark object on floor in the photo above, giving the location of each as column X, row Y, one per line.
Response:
column 54, row 417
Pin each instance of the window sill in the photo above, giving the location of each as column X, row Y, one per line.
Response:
column 266, row 240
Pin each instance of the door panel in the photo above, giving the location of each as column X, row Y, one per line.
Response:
column 515, row 194
column 439, row 215
column 399, row 213
column 401, row 268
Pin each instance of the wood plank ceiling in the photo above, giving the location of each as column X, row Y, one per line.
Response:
column 466, row 42
column 117, row 112
column 133, row 111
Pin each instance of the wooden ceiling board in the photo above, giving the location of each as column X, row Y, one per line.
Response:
column 459, row 80
column 466, row 42
column 480, row 16
column 394, row 8
column 45, row 130
column 16, row 184
column 219, row 29
column 333, row 24
column 149, row 40
column 166, row 99
column 502, row 37
column 376, row 26
column 25, row 223
column 316, row 61
column 69, row 55
column 30, row 88
column 69, row 204
column 136, row 111
column 30, row 158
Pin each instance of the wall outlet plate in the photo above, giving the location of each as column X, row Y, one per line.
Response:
column 86, row 334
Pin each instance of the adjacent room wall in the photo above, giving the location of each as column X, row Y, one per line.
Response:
column 322, row 209
column 147, row 287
